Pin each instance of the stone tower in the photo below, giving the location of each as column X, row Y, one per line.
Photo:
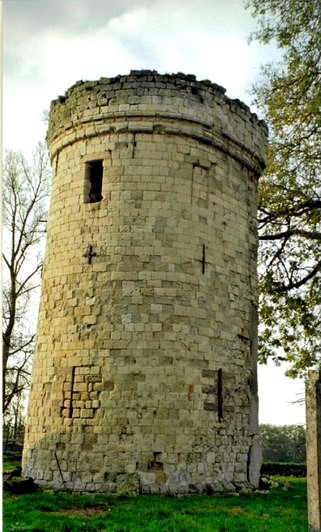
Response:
column 144, row 376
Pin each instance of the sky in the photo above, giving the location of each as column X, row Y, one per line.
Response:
column 48, row 45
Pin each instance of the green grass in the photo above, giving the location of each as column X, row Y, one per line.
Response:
column 11, row 460
column 276, row 511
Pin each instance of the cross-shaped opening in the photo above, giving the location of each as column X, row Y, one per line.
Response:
column 93, row 181
column 203, row 259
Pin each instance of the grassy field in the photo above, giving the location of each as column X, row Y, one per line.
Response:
column 279, row 510
column 11, row 460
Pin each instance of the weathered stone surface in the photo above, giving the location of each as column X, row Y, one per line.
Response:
column 127, row 484
column 313, row 443
column 255, row 461
column 145, row 365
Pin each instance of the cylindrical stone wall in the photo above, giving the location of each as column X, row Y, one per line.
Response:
column 144, row 376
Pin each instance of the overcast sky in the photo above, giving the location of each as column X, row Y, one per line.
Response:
column 51, row 44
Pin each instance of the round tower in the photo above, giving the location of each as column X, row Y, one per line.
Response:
column 144, row 377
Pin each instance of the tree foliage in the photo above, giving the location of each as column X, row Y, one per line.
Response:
column 284, row 443
column 288, row 94
column 25, row 194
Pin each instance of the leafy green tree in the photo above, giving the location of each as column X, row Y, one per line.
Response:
column 288, row 95
column 283, row 443
column 25, row 198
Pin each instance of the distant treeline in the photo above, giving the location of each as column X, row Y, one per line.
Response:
column 283, row 470
column 283, row 444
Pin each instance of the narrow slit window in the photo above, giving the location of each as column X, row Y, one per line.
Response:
column 93, row 181
column 72, row 391
column 220, row 395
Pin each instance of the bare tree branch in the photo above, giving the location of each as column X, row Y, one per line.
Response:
column 25, row 195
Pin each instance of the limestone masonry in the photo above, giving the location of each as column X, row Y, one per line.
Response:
column 144, row 377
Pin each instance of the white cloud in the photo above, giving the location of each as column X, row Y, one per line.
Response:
column 279, row 396
column 46, row 51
